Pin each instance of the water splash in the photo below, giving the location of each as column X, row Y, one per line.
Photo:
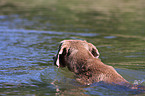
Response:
column 138, row 82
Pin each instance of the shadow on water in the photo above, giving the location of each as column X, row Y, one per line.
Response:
column 29, row 36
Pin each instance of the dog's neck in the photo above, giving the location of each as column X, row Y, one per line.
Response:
column 89, row 67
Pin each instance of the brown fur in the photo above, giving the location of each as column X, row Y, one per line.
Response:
column 81, row 58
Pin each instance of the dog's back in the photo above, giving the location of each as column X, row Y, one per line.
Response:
column 96, row 71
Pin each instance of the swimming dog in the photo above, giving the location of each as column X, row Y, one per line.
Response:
column 82, row 58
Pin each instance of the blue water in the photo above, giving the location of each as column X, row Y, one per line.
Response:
column 26, row 65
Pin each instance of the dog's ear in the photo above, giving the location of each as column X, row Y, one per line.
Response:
column 94, row 51
column 59, row 59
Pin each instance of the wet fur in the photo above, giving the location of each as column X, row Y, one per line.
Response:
column 81, row 58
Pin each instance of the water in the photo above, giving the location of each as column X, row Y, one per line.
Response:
column 29, row 41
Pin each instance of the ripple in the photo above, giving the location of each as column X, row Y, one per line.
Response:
column 110, row 37
column 50, row 32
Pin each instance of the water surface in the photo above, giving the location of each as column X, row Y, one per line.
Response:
column 30, row 37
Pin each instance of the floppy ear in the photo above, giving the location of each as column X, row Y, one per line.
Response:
column 60, row 56
column 94, row 50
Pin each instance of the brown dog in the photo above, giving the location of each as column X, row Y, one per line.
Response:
column 81, row 58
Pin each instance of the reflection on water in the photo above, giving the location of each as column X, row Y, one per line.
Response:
column 29, row 38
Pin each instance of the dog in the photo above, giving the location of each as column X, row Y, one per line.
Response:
column 82, row 58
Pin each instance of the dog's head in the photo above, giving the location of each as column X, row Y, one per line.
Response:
column 70, row 50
